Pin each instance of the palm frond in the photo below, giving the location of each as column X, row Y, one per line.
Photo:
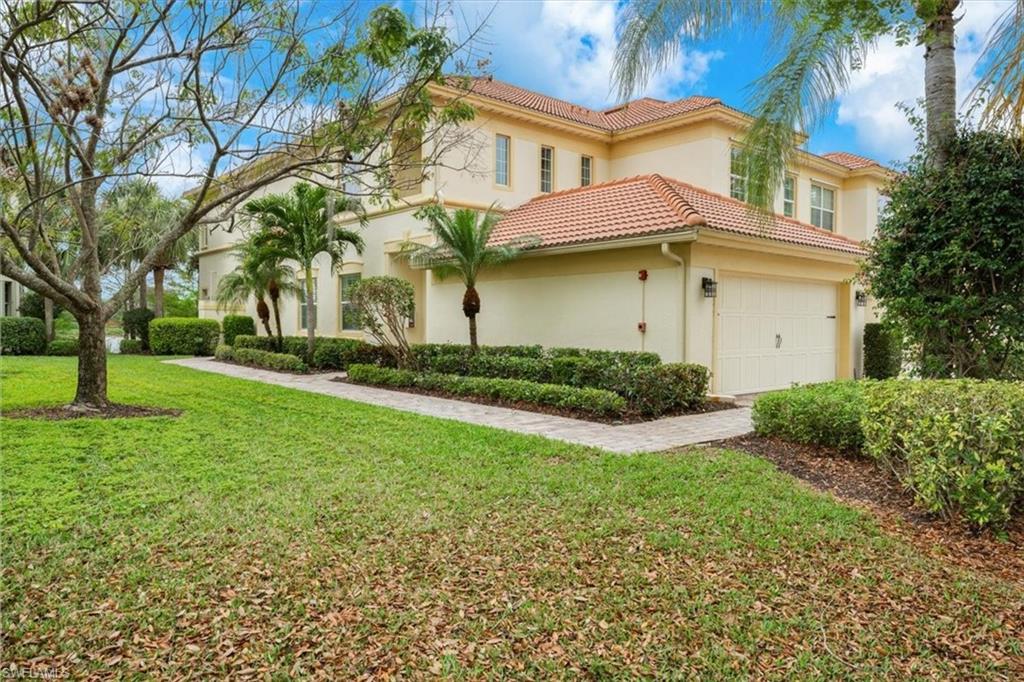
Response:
column 1001, row 87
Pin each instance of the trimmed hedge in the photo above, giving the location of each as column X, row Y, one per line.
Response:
column 620, row 357
column 183, row 336
column 588, row 400
column 237, row 324
column 282, row 362
column 224, row 352
column 958, row 444
column 136, row 324
column 329, row 353
column 22, row 336
column 826, row 414
column 131, row 347
column 63, row 347
column 881, row 352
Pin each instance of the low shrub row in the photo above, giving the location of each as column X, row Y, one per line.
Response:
column 131, row 347
column 826, row 414
column 591, row 401
column 329, row 353
column 22, row 336
column 282, row 362
column 958, row 444
column 63, row 347
column 183, row 336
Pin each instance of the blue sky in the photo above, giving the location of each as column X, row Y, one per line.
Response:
column 564, row 48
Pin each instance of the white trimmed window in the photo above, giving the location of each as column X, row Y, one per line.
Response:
column 547, row 168
column 823, row 207
column 737, row 175
column 502, row 147
column 349, row 310
column 789, row 196
column 204, row 237
column 302, row 302
column 586, row 170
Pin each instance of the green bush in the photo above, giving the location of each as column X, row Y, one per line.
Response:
column 131, row 347
column 579, row 371
column 32, row 306
column 827, row 414
column 339, row 353
column 507, row 367
column 611, row 357
column 587, row 400
column 63, row 347
column 136, row 324
column 22, row 336
column 281, row 362
column 224, row 353
column 654, row 390
column 882, row 355
column 957, row 444
column 237, row 324
column 183, row 336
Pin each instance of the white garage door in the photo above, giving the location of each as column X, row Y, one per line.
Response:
column 773, row 333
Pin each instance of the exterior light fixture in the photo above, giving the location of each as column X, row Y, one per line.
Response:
column 709, row 286
column 861, row 298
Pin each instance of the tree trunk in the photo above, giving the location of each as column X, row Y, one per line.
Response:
column 143, row 293
column 48, row 317
column 275, row 304
column 264, row 314
column 310, row 315
column 470, row 308
column 940, row 81
column 91, row 393
column 158, row 292
column 472, row 333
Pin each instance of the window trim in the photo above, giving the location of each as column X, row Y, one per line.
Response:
column 835, row 205
column 341, row 303
column 508, row 162
column 590, row 170
column 791, row 201
column 540, row 168
column 733, row 151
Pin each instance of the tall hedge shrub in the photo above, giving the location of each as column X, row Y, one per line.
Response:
column 22, row 336
column 183, row 336
column 957, row 444
column 237, row 324
column 881, row 352
column 827, row 414
column 136, row 324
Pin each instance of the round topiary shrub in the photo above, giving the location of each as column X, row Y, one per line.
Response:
column 136, row 324
column 183, row 336
column 22, row 336
column 235, row 325
column 131, row 347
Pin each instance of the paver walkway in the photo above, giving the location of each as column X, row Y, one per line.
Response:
column 642, row 437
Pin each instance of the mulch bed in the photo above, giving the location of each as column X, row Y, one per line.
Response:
column 112, row 411
column 856, row 479
column 547, row 409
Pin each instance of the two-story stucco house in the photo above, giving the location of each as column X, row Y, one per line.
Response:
column 646, row 243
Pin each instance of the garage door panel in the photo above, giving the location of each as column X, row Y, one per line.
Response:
column 774, row 332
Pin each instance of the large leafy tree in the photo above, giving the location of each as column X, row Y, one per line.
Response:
column 228, row 96
column 947, row 263
column 258, row 275
column 299, row 226
column 821, row 43
column 462, row 249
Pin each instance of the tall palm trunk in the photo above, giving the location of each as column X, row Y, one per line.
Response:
column 470, row 307
column 264, row 314
column 143, row 294
column 940, row 81
column 310, row 314
column 158, row 292
column 48, row 317
column 274, row 290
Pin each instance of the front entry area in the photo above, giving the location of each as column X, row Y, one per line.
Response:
column 773, row 332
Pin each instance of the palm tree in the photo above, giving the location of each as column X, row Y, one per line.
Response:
column 461, row 248
column 298, row 226
column 246, row 281
column 821, row 44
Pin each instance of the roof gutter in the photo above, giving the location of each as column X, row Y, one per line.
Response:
column 666, row 251
column 682, row 236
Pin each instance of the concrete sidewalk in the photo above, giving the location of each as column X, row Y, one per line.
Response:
column 652, row 436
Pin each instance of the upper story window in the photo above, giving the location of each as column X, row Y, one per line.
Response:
column 349, row 311
column 737, row 175
column 823, row 207
column 789, row 196
column 586, row 170
column 204, row 237
column 502, row 147
column 547, row 168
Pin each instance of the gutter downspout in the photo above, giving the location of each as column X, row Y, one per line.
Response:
column 666, row 251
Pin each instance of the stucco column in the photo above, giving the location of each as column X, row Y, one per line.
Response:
column 844, row 331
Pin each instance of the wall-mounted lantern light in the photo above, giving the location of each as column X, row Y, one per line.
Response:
column 709, row 286
column 861, row 299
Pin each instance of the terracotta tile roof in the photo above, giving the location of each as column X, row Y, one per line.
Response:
column 851, row 161
column 625, row 116
column 648, row 205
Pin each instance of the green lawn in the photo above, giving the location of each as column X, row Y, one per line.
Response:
column 275, row 531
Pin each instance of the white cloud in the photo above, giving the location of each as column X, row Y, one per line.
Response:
column 565, row 48
column 892, row 75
